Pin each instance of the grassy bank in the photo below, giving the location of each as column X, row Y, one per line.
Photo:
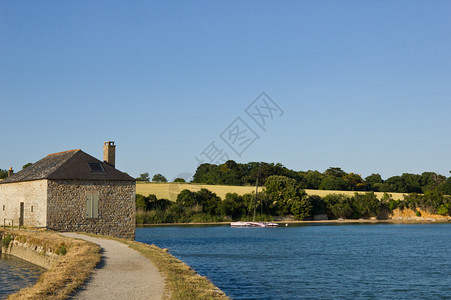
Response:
column 74, row 266
column 170, row 190
column 182, row 282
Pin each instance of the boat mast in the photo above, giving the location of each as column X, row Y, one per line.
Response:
column 256, row 192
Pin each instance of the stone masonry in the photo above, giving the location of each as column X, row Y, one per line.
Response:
column 34, row 196
column 66, row 207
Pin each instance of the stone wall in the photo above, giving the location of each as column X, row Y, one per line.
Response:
column 66, row 208
column 36, row 254
column 33, row 194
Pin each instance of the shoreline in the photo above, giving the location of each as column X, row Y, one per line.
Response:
column 82, row 258
column 345, row 221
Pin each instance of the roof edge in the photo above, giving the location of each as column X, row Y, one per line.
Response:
column 63, row 152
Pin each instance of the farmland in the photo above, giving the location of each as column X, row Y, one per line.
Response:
column 171, row 190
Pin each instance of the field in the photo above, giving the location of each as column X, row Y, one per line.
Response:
column 171, row 190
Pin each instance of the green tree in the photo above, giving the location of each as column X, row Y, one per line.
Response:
column 26, row 165
column 301, row 207
column 159, row 178
column 334, row 183
column 395, row 184
column 3, row 174
column 207, row 174
column 373, row 181
column 430, row 181
column 412, row 182
column 288, row 197
column 319, row 206
column 313, row 179
column 355, row 182
column 208, row 200
column 179, row 180
column 366, row 205
column 230, row 173
column 445, row 187
column 232, row 206
column 141, row 202
column 186, row 198
column 143, row 177
column 339, row 205
column 334, row 172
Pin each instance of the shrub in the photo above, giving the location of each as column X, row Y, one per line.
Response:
column 61, row 250
column 418, row 213
column 443, row 209
column 6, row 240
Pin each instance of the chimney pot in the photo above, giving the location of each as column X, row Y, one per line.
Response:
column 10, row 171
column 109, row 153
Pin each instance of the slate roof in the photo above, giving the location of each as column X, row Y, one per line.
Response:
column 68, row 165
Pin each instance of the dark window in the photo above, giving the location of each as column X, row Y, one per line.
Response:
column 32, row 209
column 96, row 168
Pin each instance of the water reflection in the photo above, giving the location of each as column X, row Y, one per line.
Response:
column 16, row 274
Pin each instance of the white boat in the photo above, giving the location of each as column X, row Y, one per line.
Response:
column 253, row 223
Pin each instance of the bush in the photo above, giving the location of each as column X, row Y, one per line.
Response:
column 6, row 240
column 443, row 209
column 417, row 213
column 61, row 250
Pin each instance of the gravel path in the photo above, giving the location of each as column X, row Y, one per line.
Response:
column 123, row 273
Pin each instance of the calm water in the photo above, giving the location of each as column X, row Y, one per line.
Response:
column 16, row 273
column 316, row 262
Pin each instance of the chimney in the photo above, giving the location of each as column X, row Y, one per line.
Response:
column 10, row 171
column 109, row 153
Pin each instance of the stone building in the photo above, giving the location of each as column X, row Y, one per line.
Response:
column 71, row 191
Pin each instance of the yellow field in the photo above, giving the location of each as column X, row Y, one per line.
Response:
column 170, row 190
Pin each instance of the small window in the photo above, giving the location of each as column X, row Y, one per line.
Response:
column 3, row 207
column 96, row 167
column 92, row 206
column 52, row 165
column 32, row 209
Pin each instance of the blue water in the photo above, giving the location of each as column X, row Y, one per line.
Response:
column 16, row 274
column 383, row 261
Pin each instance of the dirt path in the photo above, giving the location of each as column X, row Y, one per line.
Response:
column 123, row 273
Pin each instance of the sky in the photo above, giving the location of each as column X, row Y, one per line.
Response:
column 361, row 85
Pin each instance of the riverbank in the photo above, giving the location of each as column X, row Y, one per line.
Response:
column 406, row 216
column 69, row 262
column 74, row 266
column 182, row 282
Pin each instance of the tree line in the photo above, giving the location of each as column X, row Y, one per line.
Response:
column 283, row 198
column 334, row 178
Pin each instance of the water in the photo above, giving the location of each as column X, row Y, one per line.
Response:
column 383, row 261
column 16, row 274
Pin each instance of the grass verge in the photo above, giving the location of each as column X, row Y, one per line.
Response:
column 74, row 266
column 181, row 282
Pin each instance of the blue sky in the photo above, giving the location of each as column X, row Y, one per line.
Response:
column 363, row 85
